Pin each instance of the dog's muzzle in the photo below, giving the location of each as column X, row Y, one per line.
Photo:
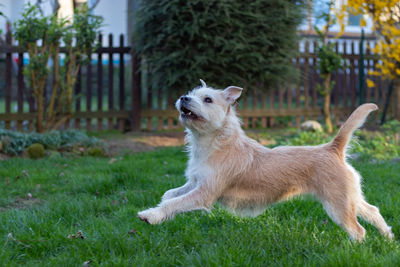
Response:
column 185, row 109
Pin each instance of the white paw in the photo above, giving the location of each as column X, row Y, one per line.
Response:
column 152, row 216
column 389, row 234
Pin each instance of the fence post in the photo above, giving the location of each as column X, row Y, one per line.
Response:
column 8, row 77
column 361, row 69
column 135, row 92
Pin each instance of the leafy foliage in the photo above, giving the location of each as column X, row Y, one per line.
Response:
column 36, row 151
column 15, row 143
column 222, row 42
column 386, row 23
column 329, row 60
column 381, row 145
column 78, row 36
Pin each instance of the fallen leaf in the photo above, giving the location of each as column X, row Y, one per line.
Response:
column 25, row 173
column 132, row 232
column 87, row 263
column 112, row 161
column 77, row 235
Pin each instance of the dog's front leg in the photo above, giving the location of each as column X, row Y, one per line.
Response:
column 198, row 198
column 176, row 192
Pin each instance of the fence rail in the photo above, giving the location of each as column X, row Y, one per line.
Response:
column 109, row 92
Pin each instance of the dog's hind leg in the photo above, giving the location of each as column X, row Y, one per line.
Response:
column 344, row 214
column 368, row 212
column 372, row 215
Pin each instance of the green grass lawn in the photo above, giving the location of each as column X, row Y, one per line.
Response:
column 101, row 199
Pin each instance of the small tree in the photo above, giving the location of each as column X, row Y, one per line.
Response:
column 42, row 37
column 1, row 15
column 223, row 42
column 385, row 16
column 328, row 62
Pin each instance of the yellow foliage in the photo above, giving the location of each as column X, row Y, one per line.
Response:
column 363, row 23
column 386, row 24
column 370, row 83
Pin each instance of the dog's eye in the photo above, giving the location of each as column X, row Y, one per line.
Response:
column 208, row 100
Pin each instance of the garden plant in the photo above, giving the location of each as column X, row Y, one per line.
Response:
column 328, row 62
column 385, row 18
column 221, row 42
column 42, row 36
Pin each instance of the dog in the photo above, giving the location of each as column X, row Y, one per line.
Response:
column 228, row 167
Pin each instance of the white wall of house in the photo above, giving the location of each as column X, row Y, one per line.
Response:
column 115, row 17
column 10, row 8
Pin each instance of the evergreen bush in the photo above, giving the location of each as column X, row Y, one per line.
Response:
column 227, row 42
column 15, row 143
column 36, row 151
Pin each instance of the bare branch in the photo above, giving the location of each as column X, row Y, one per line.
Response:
column 94, row 5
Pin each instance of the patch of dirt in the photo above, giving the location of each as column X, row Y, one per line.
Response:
column 161, row 141
column 21, row 203
column 3, row 157
column 144, row 142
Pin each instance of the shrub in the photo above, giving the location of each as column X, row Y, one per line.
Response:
column 222, row 42
column 36, row 151
column 15, row 142
column 381, row 145
column 301, row 138
column 96, row 152
column 42, row 36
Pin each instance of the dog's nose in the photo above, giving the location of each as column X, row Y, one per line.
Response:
column 185, row 99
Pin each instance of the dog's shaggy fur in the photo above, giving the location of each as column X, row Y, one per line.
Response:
column 244, row 176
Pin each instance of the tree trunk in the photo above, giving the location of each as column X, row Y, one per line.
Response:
column 40, row 113
column 396, row 99
column 327, row 103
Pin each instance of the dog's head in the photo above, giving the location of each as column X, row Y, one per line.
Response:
column 205, row 109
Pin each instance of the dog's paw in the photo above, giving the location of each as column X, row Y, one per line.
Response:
column 152, row 216
column 389, row 234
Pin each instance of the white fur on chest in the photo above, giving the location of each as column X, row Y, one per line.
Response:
column 198, row 170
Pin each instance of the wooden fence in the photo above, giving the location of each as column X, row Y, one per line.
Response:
column 101, row 93
column 109, row 94
column 291, row 104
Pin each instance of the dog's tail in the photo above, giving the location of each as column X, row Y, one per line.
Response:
column 356, row 120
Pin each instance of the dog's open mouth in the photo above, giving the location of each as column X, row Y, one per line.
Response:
column 187, row 113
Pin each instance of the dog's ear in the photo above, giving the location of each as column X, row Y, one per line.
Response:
column 232, row 93
column 203, row 83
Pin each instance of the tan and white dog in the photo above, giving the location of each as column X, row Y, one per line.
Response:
column 227, row 166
